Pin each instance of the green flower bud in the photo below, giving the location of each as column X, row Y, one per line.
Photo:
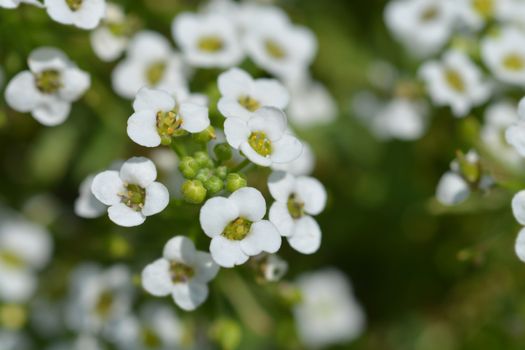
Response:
column 234, row 181
column 205, row 136
column 193, row 191
column 214, row 184
column 204, row 174
column 223, row 152
column 189, row 167
column 203, row 159
column 221, row 172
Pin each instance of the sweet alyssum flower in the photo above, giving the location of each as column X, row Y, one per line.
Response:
column 158, row 118
column 111, row 37
column 48, row 88
column 241, row 95
column 456, row 82
column 515, row 134
column 297, row 199
column 151, row 62
column 263, row 138
column 131, row 193
column 504, row 55
column 476, row 13
column 183, row 272
column 25, row 248
column 85, row 14
column 236, row 227
column 303, row 165
column 207, row 40
column 12, row 4
column 328, row 312
column 423, row 26
column 402, row 119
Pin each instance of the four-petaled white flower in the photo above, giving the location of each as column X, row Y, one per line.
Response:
column 242, row 95
column 85, row 14
column 207, row 40
column 159, row 117
column 456, row 82
column 515, row 134
column 150, row 61
column 263, row 138
column 297, row 199
column 236, row 227
column 183, row 272
column 110, row 38
column 12, row 4
column 48, row 88
column 401, row 119
column 131, row 193
column 504, row 54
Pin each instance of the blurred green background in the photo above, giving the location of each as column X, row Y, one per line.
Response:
column 429, row 278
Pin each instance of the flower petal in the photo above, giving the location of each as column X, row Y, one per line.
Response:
column 452, row 189
column 188, row 296
column 194, row 117
column 216, row 213
column 106, row 187
column 139, row 171
column 180, row 249
column 518, row 207
column 263, row 237
column 281, row 185
column 253, row 156
column 250, row 203
column 234, row 82
column 155, row 100
column 52, row 111
column 157, row 199
column 269, row 120
column 206, row 267
column 123, row 215
column 236, row 132
column 280, row 216
column 87, row 205
column 312, row 193
column 21, row 93
column 515, row 136
column 271, row 93
column 306, row 236
column 16, row 286
column 142, row 128
column 46, row 58
column 287, row 149
column 156, row 278
column 520, row 245
column 75, row 83
column 231, row 108
column 227, row 253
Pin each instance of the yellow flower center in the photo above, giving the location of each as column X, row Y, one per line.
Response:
column 155, row 72
column 74, row 5
column 237, row 229
column 513, row 62
column 134, row 197
column 454, row 80
column 150, row 338
column 11, row 259
column 295, row 207
column 274, row 49
column 249, row 103
column 260, row 143
column 168, row 125
column 429, row 14
column 48, row 81
column 485, row 8
column 104, row 304
column 210, row 43
column 180, row 272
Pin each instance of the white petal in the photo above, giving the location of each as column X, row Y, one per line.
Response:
column 44, row 58
column 139, row 171
column 188, row 296
column 194, row 117
column 280, row 216
column 281, row 185
column 142, row 128
column 515, row 136
column 16, row 286
column 156, row 278
column 230, row 108
column 263, row 237
column 157, row 199
column 272, row 93
column 521, row 109
column 206, row 267
column 287, row 149
column 269, row 120
column 128, row 77
column 518, row 207
column 180, row 249
column 253, row 156
column 106, row 187
column 520, row 245
column 216, row 213
column 306, row 236
column 53, row 112
column 236, row 132
column 227, row 253
column 76, row 82
column 123, row 215
column 87, row 205
column 250, row 203
column 21, row 93
column 148, row 99
column 312, row 193
column 148, row 45
column 234, row 82
column 452, row 189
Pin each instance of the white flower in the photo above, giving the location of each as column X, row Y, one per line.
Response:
column 456, row 82
column 328, row 312
column 263, row 138
column 85, row 14
column 515, row 134
column 237, row 228
column 98, row 298
column 86, row 204
column 14, row 340
column 252, row 14
column 303, row 165
column 475, row 14
column 25, row 248
column 423, row 26
column 207, row 40
column 518, row 207
column 158, row 118
column 297, row 199
column 280, row 47
column 241, row 95
column 131, row 194
column 401, row 119
column 150, row 61
column 520, row 245
column 109, row 40
column 12, row 4
column 183, row 272
column 273, row 267
column 48, row 88
column 452, row 189
column 505, row 55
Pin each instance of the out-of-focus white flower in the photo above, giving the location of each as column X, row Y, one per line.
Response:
column 401, row 119
column 452, row 189
column 207, row 40
column 85, row 14
column 518, row 207
column 25, row 248
column 12, row 4
column 475, row 13
column 422, row 26
column 456, row 82
column 328, row 312
column 252, row 14
column 303, row 165
column 98, row 298
column 515, row 134
column 237, row 228
column 110, row 39
column 48, row 88
column 297, row 199
column 82, row 342
column 519, row 247
column 87, row 205
column 13, row 340
column 132, row 193
column 280, row 47
column 273, row 267
column 158, row 118
column 513, row 12
column 150, row 61
column 263, row 138
column 241, row 95
column 183, row 272
column 505, row 55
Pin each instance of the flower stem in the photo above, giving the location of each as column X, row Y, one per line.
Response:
column 241, row 165
column 179, row 149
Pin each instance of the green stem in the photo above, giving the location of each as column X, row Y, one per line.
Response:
column 179, row 149
column 241, row 165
